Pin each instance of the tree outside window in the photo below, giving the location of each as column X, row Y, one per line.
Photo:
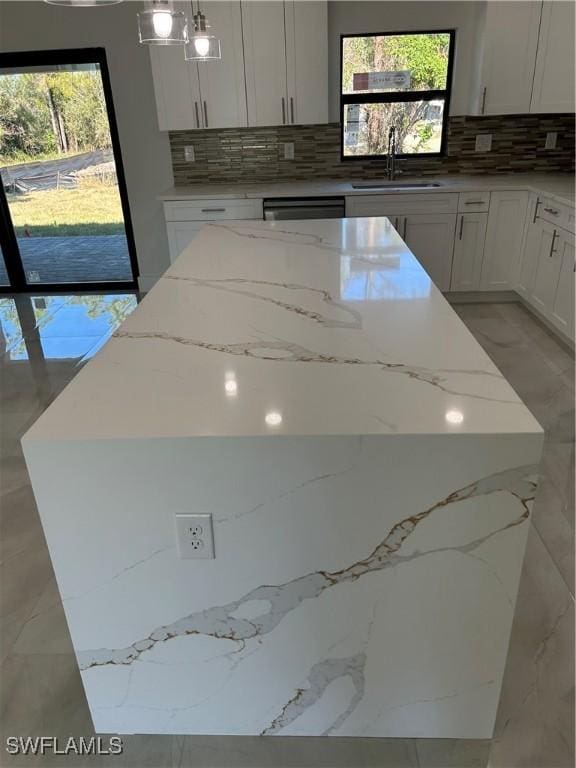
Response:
column 400, row 80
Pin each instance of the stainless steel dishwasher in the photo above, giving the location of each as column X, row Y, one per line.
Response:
column 283, row 208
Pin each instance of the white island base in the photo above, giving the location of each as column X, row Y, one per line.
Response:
column 368, row 545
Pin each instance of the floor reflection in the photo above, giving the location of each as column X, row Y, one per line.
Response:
column 70, row 328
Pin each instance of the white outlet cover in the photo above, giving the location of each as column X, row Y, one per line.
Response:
column 189, row 155
column 288, row 150
column 483, row 142
column 551, row 139
column 195, row 536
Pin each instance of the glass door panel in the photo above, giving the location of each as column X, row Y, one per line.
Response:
column 59, row 170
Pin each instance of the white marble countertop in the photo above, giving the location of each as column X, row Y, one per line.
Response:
column 559, row 187
column 327, row 327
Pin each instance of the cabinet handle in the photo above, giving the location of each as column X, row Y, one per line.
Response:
column 213, row 210
column 461, row 225
column 283, row 111
column 396, row 223
column 483, row 100
column 292, row 108
column 474, row 202
column 552, row 249
column 536, row 211
column 205, row 115
column 404, row 231
column 197, row 114
column 553, row 211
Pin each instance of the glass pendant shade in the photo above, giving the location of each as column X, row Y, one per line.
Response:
column 202, row 47
column 162, row 26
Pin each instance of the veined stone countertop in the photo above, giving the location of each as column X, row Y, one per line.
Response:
column 559, row 187
column 325, row 327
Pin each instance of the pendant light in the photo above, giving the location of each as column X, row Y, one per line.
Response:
column 200, row 45
column 162, row 25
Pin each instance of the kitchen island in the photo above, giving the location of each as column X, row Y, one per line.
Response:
column 368, row 470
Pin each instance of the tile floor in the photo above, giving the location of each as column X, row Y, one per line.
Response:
column 45, row 342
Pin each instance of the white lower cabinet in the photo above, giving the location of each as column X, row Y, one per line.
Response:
column 431, row 240
column 468, row 251
column 185, row 218
column 180, row 235
column 562, row 309
column 504, row 238
column 545, row 266
column 429, row 235
column 547, row 274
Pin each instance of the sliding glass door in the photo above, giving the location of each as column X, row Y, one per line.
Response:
column 66, row 221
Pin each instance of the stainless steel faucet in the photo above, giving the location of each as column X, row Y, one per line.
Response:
column 391, row 157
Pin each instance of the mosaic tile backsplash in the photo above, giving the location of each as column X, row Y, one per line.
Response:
column 256, row 154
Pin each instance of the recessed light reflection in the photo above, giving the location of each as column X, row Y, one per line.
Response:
column 231, row 385
column 454, row 417
column 273, row 418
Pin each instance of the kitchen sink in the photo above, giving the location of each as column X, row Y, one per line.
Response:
column 396, row 185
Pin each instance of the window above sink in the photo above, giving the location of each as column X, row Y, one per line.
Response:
column 395, row 79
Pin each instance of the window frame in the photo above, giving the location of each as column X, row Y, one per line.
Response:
column 395, row 97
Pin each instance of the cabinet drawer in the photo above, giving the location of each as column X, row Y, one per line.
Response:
column 385, row 205
column 473, row 202
column 554, row 213
column 213, row 210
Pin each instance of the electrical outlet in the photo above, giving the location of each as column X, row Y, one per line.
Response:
column 195, row 536
column 483, row 142
column 551, row 138
column 189, row 155
column 288, row 150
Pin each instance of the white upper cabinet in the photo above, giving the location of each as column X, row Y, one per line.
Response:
column 176, row 87
column 510, row 43
column 554, row 74
column 222, row 84
column 265, row 61
column 207, row 94
column 286, row 59
column 307, row 61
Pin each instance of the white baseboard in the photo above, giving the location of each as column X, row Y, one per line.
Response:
column 478, row 297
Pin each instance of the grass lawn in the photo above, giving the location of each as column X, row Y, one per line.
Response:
column 87, row 210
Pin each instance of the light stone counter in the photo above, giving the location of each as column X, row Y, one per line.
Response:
column 369, row 471
column 558, row 187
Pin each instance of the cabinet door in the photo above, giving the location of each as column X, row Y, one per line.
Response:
column 562, row 310
column 222, row 83
column 468, row 251
column 511, row 39
column 524, row 273
column 504, row 235
column 265, row 61
column 176, row 88
column 547, row 269
column 180, row 235
column 554, row 75
column 431, row 240
column 307, row 61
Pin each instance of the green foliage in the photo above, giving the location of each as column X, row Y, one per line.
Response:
column 425, row 56
column 42, row 114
